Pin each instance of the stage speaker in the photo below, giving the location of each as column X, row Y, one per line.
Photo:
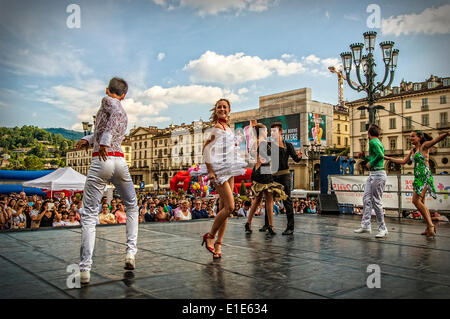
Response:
column 328, row 204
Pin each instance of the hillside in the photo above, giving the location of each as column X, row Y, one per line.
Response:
column 68, row 134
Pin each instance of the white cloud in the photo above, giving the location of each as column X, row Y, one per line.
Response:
column 64, row 61
column 187, row 95
column 327, row 14
column 161, row 56
column 238, row 68
column 312, row 59
column 429, row 21
column 287, row 56
column 214, row 7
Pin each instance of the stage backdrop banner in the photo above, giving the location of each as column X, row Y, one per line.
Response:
column 350, row 190
column 353, row 187
column 441, row 184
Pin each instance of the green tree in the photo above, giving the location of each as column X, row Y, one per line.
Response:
column 33, row 163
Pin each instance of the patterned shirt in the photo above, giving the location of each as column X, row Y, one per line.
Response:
column 110, row 126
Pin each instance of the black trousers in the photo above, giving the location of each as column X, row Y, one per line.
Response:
column 285, row 180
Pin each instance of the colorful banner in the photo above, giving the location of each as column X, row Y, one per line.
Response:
column 350, row 190
column 291, row 129
column 317, row 129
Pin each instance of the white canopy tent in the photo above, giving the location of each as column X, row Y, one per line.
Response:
column 64, row 178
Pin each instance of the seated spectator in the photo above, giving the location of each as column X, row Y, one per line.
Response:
column 276, row 210
column 105, row 217
column 437, row 217
column 47, row 214
column 313, row 207
column 65, row 216
column 18, row 219
column 27, row 213
column 197, row 212
column 34, row 214
column 150, row 214
column 121, row 215
column 73, row 209
column 261, row 209
column 57, row 221
column 72, row 221
column 304, row 208
column 245, row 209
column 296, row 206
column 160, row 215
column 184, row 213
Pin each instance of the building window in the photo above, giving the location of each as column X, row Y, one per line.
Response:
column 392, row 107
column 425, row 119
column 445, row 143
column 135, row 145
column 408, row 104
column 346, row 128
column 444, row 118
column 339, row 140
column 363, row 126
column 339, row 128
column 392, row 123
column 408, row 143
column 417, row 86
column 165, row 151
column 443, row 99
column 425, row 104
column 362, row 144
column 140, row 144
column 393, row 143
column 346, row 141
column 145, row 144
column 145, row 163
column 408, row 122
column 430, row 85
column 445, row 82
column 145, row 154
column 160, row 142
column 363, row 112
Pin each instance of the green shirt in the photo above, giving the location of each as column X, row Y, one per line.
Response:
column 376, row 155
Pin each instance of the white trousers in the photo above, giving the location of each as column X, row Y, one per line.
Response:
column 114, row 170
column 373, row 193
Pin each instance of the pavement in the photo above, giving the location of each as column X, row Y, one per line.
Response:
column 323, row 259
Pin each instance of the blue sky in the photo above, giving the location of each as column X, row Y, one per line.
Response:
column 180, row 56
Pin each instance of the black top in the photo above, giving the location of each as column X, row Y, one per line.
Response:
column 47, row 222
column 284, row 156
column 264, row 152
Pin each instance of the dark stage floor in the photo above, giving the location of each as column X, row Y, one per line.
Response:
column 324, row 259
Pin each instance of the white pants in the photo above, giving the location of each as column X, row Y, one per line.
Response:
column 373, row 193
column 114, row 170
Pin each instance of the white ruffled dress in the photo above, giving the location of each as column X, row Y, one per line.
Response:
column 225, row 158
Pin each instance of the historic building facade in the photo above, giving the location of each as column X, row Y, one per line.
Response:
column 300, row 112
column 410, row 106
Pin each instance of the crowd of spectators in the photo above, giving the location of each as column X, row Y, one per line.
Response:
column 19, row 211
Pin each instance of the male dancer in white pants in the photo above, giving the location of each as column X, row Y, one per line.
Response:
column 108, row 165
column 373, row 191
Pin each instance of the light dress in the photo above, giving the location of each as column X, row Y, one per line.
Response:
column 225, row 158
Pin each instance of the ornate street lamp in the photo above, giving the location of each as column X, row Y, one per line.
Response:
column 85, row 127
column 390, row 57
column 312, row 151
column 89, row 128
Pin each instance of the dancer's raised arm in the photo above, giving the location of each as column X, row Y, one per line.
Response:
column 429, row 144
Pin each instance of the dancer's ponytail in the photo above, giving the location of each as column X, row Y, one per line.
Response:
column 423, row 136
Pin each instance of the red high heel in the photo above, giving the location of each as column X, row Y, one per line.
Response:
column 208, row 248
column 217, row 255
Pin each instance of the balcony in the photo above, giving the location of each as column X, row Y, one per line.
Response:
column 393, row 152
column 408, row 128
column 442, row 125
column 425, row 107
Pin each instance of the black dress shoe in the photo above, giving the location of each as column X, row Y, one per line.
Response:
column 288, row 232
column 264, row 228
column 247, row 228
column 271, row 231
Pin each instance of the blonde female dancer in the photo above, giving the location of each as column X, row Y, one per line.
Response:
column 222, row 163
column 423, row 180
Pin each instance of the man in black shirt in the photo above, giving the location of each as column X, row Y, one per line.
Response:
column 281, row 172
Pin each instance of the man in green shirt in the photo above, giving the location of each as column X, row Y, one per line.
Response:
column 373, row 191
